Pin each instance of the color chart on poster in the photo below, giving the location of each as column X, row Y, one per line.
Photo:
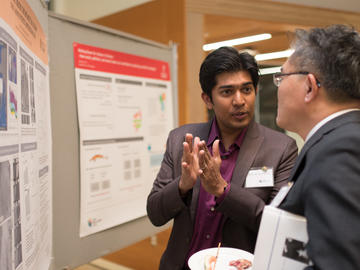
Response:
column 125, row 112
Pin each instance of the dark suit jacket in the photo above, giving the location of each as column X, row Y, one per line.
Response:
column 327, row 192
column 241, row 207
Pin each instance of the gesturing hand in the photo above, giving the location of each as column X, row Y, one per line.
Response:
column 210, row 175
column 190, row 164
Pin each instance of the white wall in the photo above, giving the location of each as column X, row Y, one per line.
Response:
column 88, row 10
column 344, row 5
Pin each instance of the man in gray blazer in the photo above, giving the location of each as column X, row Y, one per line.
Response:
column 216, row 177
column 319, row 98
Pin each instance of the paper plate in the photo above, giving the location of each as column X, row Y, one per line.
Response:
column 196, row 261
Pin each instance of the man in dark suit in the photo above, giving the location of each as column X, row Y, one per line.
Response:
column 216, row 177
column 319, row 98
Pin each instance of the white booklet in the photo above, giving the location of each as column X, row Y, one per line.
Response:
column 281, row 241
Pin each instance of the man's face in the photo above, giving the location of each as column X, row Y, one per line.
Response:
column 290, row 97
column 233, row 101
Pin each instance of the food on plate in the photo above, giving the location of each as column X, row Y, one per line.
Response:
column 241, row 264
column 209, row 262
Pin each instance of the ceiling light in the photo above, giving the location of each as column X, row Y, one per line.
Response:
column 237, row 41
column 273, row 55
column 271, row 70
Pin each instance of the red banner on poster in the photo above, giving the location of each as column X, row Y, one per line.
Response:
column 99, row 59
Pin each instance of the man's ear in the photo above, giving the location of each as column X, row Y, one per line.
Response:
column 312, row 88
column 207, row 100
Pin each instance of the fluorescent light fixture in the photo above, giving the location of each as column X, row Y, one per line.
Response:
column 237, row 41
column 271, row 70
column 273, row 55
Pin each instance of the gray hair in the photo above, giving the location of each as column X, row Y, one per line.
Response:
column 332, row 54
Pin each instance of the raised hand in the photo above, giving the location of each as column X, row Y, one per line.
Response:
column 209, row 171
column 190, row 164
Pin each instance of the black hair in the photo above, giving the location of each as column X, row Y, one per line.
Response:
column 226, row 59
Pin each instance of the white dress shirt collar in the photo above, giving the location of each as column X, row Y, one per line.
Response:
column 327, row 119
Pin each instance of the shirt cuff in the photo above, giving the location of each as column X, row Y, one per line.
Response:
column 222, row 197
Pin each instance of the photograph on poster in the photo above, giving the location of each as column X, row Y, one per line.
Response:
column 3, row 85
column 17, row 245
column 17, row 213
column 32, row 95
column 28, row 115
column 12, row 65
column 25, row 106
column 5, row 245
column 5, row 191
column 5, row 213
column 13, row 108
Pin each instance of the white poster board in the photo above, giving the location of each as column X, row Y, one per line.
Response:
column 25, row 140
column 125, row 114
column 68, row 246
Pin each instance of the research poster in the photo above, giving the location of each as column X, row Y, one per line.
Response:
column 25, row 140
column 125, row 113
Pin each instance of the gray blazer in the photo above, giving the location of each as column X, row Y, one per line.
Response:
column 327, row 192
column 242, row 207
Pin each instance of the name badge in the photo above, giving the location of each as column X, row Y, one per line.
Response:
column 260, row 177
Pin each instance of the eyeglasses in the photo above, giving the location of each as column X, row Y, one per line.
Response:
column 278, row 76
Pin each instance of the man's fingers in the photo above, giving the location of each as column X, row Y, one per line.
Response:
column 184, row 165
column 186, row 169
column 204, row 159
column 189, row 140
column 202, row 162
column 207, row 155
column 186, row 153
column 216, row 151
column 186, row 148
column 196, row 145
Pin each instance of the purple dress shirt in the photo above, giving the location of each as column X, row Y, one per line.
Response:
column 209, row 222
